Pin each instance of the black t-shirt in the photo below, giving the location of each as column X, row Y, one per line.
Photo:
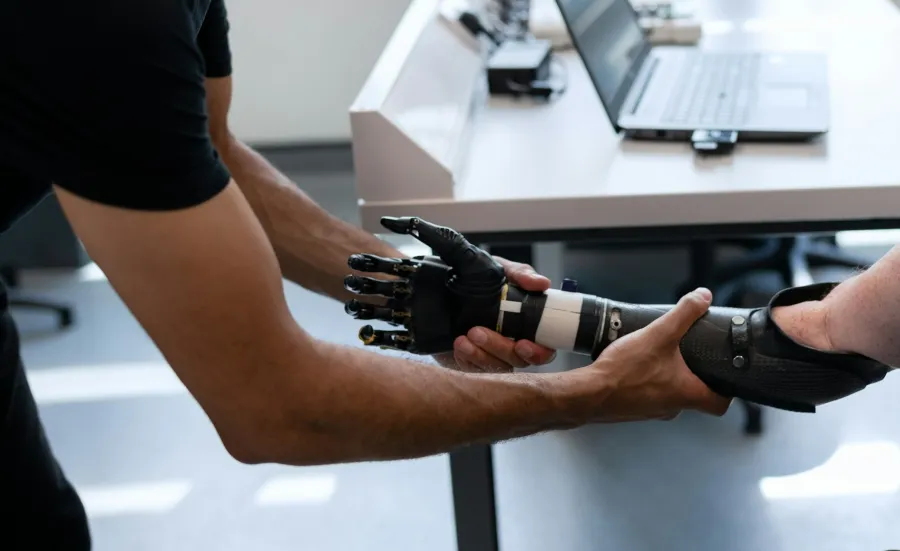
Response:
column 105, row 98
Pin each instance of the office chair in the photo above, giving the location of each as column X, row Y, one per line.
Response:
column 64, row 314
column 41, row 239
column 768, row 265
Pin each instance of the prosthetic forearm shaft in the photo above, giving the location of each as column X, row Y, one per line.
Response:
column 736, row 352
column 566, row 321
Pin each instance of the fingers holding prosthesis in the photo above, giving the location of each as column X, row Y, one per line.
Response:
column 701, row 398
column 488, row 351
column 673, row 325
column 396, row 340
column 523, row 275
column 364, row 311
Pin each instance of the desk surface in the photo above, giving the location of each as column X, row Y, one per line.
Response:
column 561, row 166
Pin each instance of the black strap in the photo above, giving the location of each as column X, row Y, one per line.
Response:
column 740, row 340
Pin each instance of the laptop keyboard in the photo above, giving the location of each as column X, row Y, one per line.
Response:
column 715, row 88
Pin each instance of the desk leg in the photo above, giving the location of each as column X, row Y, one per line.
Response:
column 702, row 266
column 472, row 469
column 472, row 474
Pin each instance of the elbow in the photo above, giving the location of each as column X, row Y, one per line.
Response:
column 284, row 417
column 224, row 145
column 265, row 445
column 243, row 444
column 244, row 455
column 297, row 449
column 292, row 434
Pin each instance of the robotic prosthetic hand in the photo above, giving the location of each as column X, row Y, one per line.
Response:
column 436, row 298
column 738, row 353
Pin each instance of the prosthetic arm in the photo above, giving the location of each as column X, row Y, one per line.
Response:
column 738, row 353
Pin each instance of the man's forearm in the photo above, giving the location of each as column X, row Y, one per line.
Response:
column 863, row 313
column 860, row 315
column 354, row 405
column 312, row 245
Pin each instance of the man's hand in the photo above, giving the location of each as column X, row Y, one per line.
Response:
column 483, row 349
column 647, row 374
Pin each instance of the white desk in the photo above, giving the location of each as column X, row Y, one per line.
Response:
column 561, row 167
column 522, row 173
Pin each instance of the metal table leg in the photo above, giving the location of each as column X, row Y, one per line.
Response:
column 472, row 470
column 472, row 475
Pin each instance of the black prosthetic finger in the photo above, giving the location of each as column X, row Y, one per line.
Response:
column 397, row 340
column 373, row 263
column 403, row 225
column 362, row 311
column 448, row 244
column 371, row 286
column 443, row 241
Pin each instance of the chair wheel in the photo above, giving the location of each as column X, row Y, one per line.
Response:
column 753, row 423
column 66, row 318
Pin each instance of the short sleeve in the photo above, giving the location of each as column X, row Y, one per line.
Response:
column 213, row 40
column 116, row 103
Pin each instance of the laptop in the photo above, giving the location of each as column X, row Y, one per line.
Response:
column 668, row 92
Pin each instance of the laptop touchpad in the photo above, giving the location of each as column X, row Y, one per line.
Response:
column 784, row 97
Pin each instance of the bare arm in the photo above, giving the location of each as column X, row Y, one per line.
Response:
column 377, row 407
column 860, row 315
column 195, row 266
column 313, row 247
column 296, row 226
column 205, row 285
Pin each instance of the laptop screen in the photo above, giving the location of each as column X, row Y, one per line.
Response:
column 611, row 44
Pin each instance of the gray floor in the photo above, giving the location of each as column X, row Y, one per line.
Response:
column 157, row 477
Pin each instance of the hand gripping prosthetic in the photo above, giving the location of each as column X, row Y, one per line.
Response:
column 738, row 353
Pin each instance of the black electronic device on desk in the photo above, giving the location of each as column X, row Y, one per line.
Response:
column 517, row 65
column 521, row 68
column 737, row 352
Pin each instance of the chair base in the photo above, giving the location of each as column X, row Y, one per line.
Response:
column 65, row 314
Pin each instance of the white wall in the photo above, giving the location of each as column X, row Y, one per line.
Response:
column 298, row 64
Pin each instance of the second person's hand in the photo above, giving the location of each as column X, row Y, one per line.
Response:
column 485, row 350
column 644, row 375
